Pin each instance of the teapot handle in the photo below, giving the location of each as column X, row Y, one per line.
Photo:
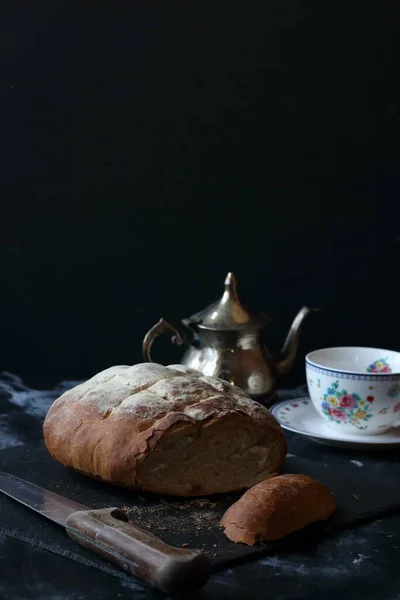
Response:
column 161, row 327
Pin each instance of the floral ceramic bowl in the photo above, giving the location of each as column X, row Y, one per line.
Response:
column 357, row 390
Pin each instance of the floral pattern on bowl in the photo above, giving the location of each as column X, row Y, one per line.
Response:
column 352, row 399
column 394, row 390
column 342, row 407
column 379, row 366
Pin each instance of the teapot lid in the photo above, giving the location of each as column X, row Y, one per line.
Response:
column 228, row 313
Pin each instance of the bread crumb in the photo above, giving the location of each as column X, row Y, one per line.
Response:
column 184, row 545
column 356, row 497
column 201, row 503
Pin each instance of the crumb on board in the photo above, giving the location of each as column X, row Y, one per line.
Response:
column 185, row 545
column 182, row 521
column 356, row 497
column 205, row 502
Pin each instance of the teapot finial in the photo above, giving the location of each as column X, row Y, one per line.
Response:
column 230, row 284
column 230, row 281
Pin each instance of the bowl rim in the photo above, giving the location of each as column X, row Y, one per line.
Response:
column 309, row 361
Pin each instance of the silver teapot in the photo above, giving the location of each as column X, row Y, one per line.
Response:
column 225, row 341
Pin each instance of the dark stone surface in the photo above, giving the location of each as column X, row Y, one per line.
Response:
column 360, row 563
column 180, row 521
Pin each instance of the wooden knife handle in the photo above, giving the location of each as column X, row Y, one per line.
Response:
column 109, row 533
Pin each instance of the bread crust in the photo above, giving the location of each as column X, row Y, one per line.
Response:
column 107, row 426
column 276, row 507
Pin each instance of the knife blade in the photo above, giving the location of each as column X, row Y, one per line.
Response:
column 108, row 532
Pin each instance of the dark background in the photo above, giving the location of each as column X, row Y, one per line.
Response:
column 149, row 148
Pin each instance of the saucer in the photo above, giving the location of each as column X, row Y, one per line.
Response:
column 299, row 415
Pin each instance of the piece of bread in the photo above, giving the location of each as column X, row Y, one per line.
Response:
column 167, row 430
column 276, row 507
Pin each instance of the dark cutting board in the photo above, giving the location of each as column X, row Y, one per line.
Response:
column 192, row 522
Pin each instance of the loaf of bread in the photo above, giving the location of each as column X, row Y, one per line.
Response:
column 166, row 430
column 276, row 507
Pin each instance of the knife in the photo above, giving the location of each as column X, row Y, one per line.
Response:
column 108, row 532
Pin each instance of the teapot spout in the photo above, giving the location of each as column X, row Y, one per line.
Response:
column 291, row 344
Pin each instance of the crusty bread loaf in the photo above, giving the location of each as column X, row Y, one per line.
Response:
column 276, row 507
column 167, row 430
